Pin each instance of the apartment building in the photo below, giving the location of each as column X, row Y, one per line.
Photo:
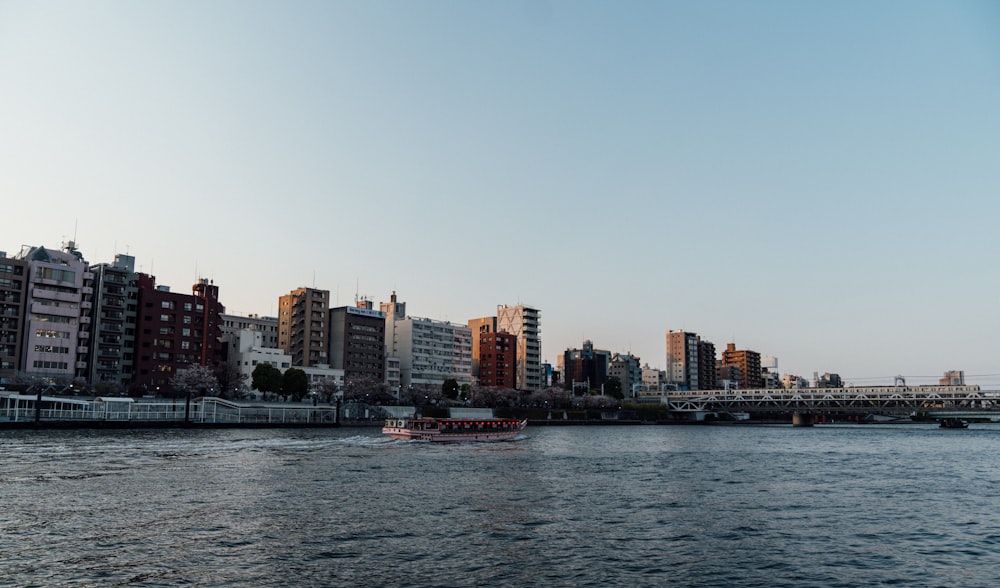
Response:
column 524, row 322
column 175, row 331
column 748, row 363
column 113, row 323
column 682, row 360
column 13, row 295
column 357, row 342
column 497, row 355
column 303, row 326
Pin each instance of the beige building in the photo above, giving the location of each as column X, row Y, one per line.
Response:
column 303, row 326
column 480, row 326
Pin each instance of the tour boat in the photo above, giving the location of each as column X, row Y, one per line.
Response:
column 431, row 429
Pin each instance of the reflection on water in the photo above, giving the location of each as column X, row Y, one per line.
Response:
column 563, row 506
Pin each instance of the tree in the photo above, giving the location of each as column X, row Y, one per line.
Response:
column 197, row 379
column 613, row 387
column 231, row 379
column 266, row 379
column 449, row 389
column 295, row 383
column 327, row 389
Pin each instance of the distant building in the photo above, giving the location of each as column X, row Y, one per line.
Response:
column 793, row 382
column 952, row 378
column 56, row 333
column 267, row 326
column 248, row 349
column 828, row 381
column 176, row 331
column 429, row 351
column 682, row 360
column 625, row 367
column 480, row 327
column 524, row 322
column 13, row 296
column 357, row 342
column 303, row 327
column 727, row 377
column 114, row 323
column 585, row 368
column 497, row 359
column 706, row 366
column 749, row 364
column 653, row 379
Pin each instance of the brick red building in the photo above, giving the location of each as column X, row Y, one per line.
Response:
column 498, row 360
column 175, row 331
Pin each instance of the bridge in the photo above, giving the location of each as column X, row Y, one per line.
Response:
column 933, row 401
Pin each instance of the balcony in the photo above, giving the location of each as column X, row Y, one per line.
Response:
column 82, row 350
column 81, row 365
column 87, row 290
column 84, row 320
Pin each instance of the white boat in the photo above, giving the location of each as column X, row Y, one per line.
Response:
column 444, row 430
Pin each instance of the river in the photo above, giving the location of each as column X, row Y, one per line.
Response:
column 736, row 505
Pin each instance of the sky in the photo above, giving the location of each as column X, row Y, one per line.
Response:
column 814, row 181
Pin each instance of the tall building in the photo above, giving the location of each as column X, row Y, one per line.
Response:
column 303, row 326
column 176, row 331
column 586, row 367
column 114, row 318
column 13, row 294
column 497, row 359
column 706, row 366
column 682, row 360
column 749, row 364
column 480, row 327
column 357, row 342
column 57, row 313
column 524, row 322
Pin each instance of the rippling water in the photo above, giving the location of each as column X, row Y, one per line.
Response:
column 560, row 506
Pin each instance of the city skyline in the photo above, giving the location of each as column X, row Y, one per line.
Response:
column 812, row 182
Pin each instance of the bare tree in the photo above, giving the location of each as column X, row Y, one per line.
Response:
column 327, row 389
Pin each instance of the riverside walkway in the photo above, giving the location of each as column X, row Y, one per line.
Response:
column 21, row 409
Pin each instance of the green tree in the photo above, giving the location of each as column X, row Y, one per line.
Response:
column 295, row 383
column 266, row 379
column 613, row 387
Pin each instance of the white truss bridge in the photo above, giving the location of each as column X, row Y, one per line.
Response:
column 877, row 400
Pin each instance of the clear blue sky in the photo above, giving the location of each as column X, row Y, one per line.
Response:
column 816, row 181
